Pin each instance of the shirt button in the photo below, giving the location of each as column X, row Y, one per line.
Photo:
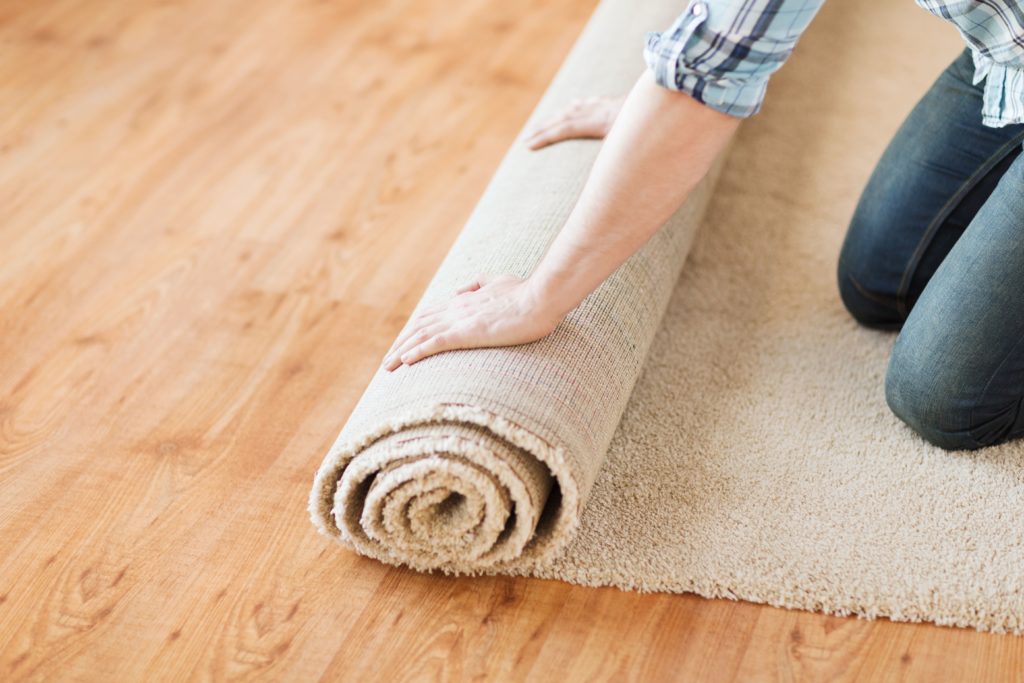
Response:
column 698, row 9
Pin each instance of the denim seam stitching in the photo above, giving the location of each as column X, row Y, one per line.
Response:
column 943, row 213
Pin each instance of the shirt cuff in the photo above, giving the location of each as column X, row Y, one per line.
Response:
column 666, row 56
column 1003, row 96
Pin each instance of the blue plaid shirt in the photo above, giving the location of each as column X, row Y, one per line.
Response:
column 723, row 51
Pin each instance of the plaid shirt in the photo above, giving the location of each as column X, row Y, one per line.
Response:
column 723, row 51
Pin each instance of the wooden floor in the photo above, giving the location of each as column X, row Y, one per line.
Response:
column 216, row 217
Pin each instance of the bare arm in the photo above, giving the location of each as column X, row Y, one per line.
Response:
column 661, row 145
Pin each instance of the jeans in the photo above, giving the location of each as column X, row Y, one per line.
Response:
column 935, row 249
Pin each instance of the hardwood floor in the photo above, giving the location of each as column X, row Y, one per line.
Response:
column 216, row 217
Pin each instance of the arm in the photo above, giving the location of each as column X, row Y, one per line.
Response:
column 675, row 120
column 660, row 147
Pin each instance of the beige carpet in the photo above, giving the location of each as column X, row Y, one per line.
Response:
column 721, row 431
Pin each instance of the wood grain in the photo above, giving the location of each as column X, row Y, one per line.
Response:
column 217, row 216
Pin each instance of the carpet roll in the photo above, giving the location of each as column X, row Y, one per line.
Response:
column 471, row 461
column 754, row 456
column 443, row 493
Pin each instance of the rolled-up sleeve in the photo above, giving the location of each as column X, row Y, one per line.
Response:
column 723, row 51
column 993, row 32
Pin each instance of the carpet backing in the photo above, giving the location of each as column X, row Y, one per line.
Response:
column 710, row 419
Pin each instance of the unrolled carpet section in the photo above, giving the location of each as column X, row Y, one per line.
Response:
column 717, row 427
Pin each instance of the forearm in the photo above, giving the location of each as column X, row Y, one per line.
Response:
column 660, row 147
column 703, row 77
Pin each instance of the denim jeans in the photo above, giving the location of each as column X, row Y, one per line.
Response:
column 935, row 249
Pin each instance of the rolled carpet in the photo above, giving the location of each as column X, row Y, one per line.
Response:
column 742, row 446
column 485, row 458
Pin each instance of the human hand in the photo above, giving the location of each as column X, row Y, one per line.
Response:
column 588, row 117
column 489, row 311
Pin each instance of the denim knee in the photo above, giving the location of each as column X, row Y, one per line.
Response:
column 866, row 307
column 924, row 400
column 931, row 399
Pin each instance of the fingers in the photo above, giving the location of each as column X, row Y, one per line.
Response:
column 432, row 310
column 536, row 128
column 430, row 331
column 583, row 118
column 425, row 319
column 475, row 284
column 415, row 338
column 556, row 132
column 436, row 344
column 416, row 325
column 413, row 326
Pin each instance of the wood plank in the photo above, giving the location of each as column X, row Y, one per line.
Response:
column 218, row 216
